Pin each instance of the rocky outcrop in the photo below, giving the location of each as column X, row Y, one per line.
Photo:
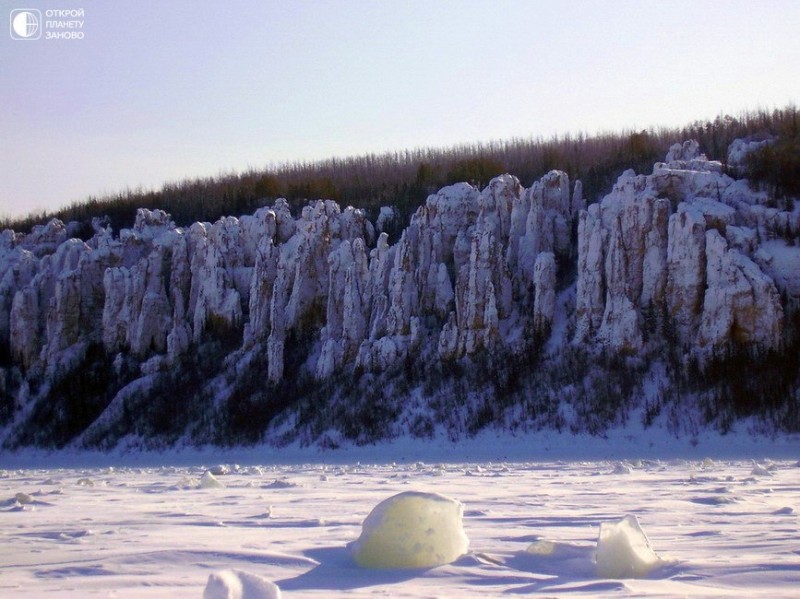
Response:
column 738, row 151
column 622, row 263
column 483, row 294
column 261, row 289
column 302, row 279
column 46, row 313
column 741, row 302
column 635, row 259
column 25, row 326
column 620, row 328
column 347, row 313
column 137, row 314
column 686, row 265
column 685, row 253
column 541, row 221
column 17, row 268
column 590, row 287
column 544, row 299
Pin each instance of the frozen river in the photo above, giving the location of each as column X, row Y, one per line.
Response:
column 727, row 528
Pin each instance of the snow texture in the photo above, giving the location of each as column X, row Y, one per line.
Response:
column 82, row 525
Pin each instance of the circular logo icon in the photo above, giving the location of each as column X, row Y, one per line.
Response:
column 25, row 24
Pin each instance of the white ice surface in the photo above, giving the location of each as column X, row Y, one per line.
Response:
column 137, row 531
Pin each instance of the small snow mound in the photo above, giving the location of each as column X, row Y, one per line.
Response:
column 74, row 535
column 280, row 484
column 221, row 469
column 236, row 584
column 250, row 471
column 541, row 547
column 184, row 483
column 784, row 511
column 713, row 500
column 622, row 468
column 623, row 550
column 555, row 549
column 266, row 514
column 759, row 470
column 411, row 530
column 209, row 481
column 23, row 498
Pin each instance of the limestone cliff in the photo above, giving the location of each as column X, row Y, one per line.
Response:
column 683, row 255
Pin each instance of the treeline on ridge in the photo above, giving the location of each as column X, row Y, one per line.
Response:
column 404, row 179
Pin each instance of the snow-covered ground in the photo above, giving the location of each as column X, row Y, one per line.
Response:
column 74, row 526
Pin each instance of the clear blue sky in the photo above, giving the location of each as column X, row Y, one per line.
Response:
column 162, row 90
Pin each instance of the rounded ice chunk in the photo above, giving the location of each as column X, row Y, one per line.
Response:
column 209, row 481
column 623, row 550
column 23, row 498
column 411, row 530
column 236, row 584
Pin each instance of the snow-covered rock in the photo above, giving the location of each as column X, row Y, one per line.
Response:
column 541, row 221
column 386, row 216
column 591, row 284
column 544, row 299
column 739, row 149
column 347, row 316
column 779, row 260
column 302, row 285
column 43, row 240
column 411, row 530
column 686, row 262
column 26, row 330
column 634, row 256
column 483, row 294
column 686, row 254
column 741, row 302
column 619, row 329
